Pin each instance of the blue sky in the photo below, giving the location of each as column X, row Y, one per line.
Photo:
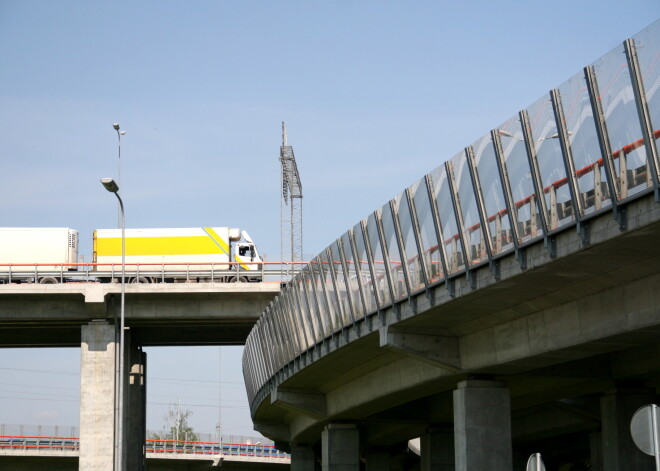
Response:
column 374, row 93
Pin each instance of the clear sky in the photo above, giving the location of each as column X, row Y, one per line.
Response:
column 374, row 94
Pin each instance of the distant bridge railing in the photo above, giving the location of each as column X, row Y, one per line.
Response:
column 48, row 273
column 586, row 148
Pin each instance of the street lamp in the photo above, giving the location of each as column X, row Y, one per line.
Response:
column 119, row 134
column 110, row 185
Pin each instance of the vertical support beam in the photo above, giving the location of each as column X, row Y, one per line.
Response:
column 394, row 209
column 482, row 426
column 136, row 410
column 438, row 226
column 653, row 162
column 340, row 448
column 437, row 450
column 418, row 239
column 386, row 254
column 97, row 396
column 358, row 271
column 302, row 458
column 617, row 408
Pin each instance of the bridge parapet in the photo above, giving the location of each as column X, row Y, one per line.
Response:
column 583, row 151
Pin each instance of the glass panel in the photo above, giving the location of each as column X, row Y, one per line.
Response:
column 313, row 305
column 582, row 136
column 550, row 161
column 497, row 218
column 363, row 269
column 472, row 229
column 623, row 128
column 307, row 318
column 395, row 259
column 342, row 295
column 303, row 327
column 381, row 283
column 524, row 202
column 409, row 243
column 448, row 225
column 428, row 238
column 318, row 284
column 334, row 309
column 648, row 44
column 353, row 286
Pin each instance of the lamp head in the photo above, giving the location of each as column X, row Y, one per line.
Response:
column 110, row 185
column 116, row 126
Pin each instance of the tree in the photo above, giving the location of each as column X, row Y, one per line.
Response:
column 176, row 426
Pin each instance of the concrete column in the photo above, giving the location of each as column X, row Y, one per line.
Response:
column 619, row 451
column 97, row 396
column 340, row 448
column 136, row 410
column 437, row 450
column 596, row 451
column 303, row 458
column 482, row 426
column 378, row 459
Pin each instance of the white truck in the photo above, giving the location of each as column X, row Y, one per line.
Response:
column 177, row 254
column 37, row 254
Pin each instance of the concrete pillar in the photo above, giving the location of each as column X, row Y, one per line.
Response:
column 303, row 458
column 340, row 448
column 97, row 396
column 596, row 451
column 482, row 426
column 378, row 459
column 437, row 450
column 136, row 410
column 618, row 449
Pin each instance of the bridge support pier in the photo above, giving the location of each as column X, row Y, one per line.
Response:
column 437, row 450
column 482, row 426
column 97, row 396
column 136, row 410
column 618, row 449
column 340, row 444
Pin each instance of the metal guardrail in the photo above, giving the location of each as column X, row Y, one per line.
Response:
column 72, row 444
column 147, row 272
column 587, row 148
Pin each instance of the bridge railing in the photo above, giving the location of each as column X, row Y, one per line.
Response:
column 585, row 148
column 148, row 272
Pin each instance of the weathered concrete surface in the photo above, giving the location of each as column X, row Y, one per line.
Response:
column 158, row 314
column 558, row 333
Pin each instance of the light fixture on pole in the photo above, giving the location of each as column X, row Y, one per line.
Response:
column 112, row 187
column 119, row 134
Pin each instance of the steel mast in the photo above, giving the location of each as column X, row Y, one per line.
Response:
column 291, row 239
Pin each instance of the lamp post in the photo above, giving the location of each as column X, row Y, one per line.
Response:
column 112, row 187
column 119, row 134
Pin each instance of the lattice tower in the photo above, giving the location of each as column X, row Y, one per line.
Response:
column 291, row 238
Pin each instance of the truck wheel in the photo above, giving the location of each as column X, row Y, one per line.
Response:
column 48, row 280
column 242, row 279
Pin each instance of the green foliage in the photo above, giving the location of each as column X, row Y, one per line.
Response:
column 176, row 426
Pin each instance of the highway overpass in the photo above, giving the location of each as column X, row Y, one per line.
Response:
column 505, row 304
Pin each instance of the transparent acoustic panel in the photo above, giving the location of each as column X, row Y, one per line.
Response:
column 318, row 281
column 334, row 307
column 352, row 276
column 474, row 234
column 550, row 160
column 380, row 283
column 525, row 205
column 448, row 225
column 362, row 265
column 589, row 166
column 497, row 216
column 428, row 238
column 621, row 119
column 342, row 287
column 301, row 295
column 647, row 44
column 310, row 294
column 395, row 259
column 412, row 259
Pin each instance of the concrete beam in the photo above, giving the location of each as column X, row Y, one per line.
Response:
column 439, row 350
column 273, row 430
column 309, row 403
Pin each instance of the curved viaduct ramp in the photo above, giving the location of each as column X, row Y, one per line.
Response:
column 470, row 311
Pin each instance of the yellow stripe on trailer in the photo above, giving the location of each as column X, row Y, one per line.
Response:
column 181, row 245
column 217, row 239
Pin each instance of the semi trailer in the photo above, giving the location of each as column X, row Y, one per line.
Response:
column 50, row 255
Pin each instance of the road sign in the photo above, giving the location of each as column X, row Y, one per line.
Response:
column 535, row 463
column 645, row 432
